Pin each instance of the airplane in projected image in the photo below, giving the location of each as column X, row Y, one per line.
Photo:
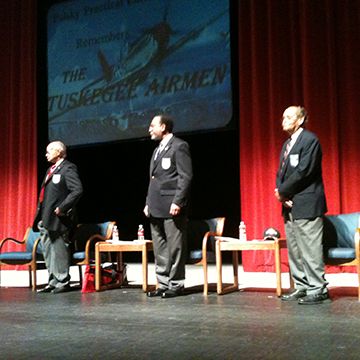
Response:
column 141, row 56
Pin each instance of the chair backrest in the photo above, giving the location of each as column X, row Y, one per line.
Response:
column 196, row 230
column 339, row 230
column 30, row 242
column 84, row 232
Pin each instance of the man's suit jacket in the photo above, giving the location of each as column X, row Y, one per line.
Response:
column 300, row 179
column 63, row 189
column 170, row 178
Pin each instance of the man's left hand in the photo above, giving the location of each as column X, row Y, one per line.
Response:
column 174, row 209
column 58, row 212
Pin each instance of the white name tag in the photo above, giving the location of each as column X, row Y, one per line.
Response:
column 294, row 160
column 56, row 178
column 165, row 163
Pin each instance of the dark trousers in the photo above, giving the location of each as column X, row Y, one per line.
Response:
column 169, row 243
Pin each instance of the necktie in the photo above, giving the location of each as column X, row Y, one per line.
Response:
column 41, row 197
column 285, row 155
column 159, row 150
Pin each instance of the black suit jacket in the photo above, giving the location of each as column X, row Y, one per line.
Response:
column 63, row 190
column 170, row 179
column 301, row 177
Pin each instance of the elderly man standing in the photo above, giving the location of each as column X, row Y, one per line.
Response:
column 167, row 206
column 56, row 216
column 300, row 189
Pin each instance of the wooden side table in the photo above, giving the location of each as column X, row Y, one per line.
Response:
column 235, row 245
column 119, row 247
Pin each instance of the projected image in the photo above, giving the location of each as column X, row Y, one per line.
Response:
column 113, row 65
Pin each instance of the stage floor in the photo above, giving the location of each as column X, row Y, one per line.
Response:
column 125, row 324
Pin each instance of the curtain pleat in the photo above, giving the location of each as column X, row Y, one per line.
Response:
column 18, row 160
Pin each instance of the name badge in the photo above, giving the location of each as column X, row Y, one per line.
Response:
column 165, row 163
column 56, row 178
column 294, row 160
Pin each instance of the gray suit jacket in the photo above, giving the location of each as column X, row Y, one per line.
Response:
column 170, row 179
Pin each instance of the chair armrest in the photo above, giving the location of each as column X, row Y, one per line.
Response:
column 204, row 244
column 91, row 241
column 35, row 247
column 282, row 243
column 357, row 243
column 220, row 226
column 2, row 243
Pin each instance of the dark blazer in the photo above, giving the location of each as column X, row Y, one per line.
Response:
column 63, row 190
column 301, row 177
column 170, row 178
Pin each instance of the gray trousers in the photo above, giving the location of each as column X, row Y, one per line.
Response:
column 169, row 243
column 304, row 239
column 56, row 249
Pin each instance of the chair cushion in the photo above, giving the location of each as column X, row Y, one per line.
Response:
column 79, row 255
column 341, row 253
column 19, row 255
column 197, row 255
column 339, row 235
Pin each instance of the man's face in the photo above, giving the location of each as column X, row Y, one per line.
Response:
column 156, row 129
column 52, row 154
column 290, row 121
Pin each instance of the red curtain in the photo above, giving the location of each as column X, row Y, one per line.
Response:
column 297, row 52
column 18, row 161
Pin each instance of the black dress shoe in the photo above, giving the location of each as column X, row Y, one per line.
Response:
column 294, row 295
column 157, row 292
column 172, row 293
column 315, row 299
column 61, row 289
column 46, row 289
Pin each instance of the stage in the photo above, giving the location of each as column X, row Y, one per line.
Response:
column 125, row 324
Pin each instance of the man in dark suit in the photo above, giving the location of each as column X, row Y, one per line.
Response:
column 300, row 189
column 56, row 216
column 167, row 206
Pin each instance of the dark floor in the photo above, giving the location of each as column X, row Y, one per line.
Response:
column 126, row 324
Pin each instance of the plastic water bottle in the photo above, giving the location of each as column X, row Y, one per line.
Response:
column 242, row 231
column 141, row 233
column 115, row 234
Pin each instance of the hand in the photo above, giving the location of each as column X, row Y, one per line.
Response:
column 58, row 212
column 287, row 203
column 278, row 196
column 174, row 209
column 146, row 211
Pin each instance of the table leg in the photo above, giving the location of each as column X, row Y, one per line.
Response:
column 218, row 266
column 278, row 268
column 97, row 268
column 145, row 267
column 236, row 268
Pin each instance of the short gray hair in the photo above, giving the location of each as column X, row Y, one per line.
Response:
column 58, row 145
column 301, row 112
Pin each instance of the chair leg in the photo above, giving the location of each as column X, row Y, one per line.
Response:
column 206, row 289
column 30, row 277
column 80, row 275
column 33, row 268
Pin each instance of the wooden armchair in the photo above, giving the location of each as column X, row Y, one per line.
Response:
column 209, row 239
column 201, row 232
column 342, row 241
column 84, row 239
column 30, row 257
